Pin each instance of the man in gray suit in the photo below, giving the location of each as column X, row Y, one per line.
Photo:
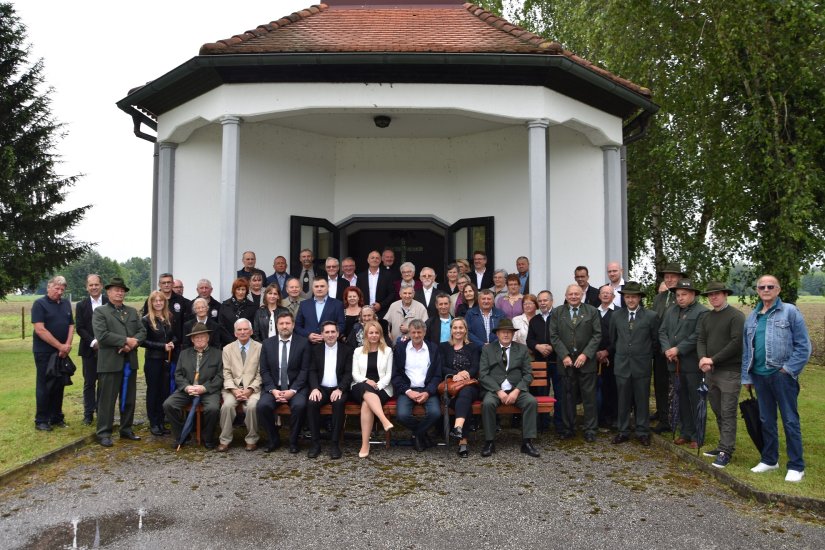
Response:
column 575, row 332
column 118, row 331
column 634, row 333
column 505, row 373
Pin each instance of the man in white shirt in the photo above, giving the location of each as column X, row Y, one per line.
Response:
column 426, row 294
column 616, row 280
column 88, row 344
column 348, row 271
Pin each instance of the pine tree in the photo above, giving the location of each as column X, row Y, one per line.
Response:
column 34, row 231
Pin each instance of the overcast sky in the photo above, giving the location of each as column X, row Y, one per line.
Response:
column 94, row 53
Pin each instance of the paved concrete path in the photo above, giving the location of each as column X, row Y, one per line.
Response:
column 574, row 496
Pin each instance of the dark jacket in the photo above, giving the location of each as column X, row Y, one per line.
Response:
column 400, row 380
column 343, row 366
column 156, row 339
column 218, row 338
column 260, row 324
column 83, row 325
column 448, row 355
column 297, row 364
column 231, row 311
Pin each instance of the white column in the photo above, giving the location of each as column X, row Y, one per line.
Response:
column 164, row 209
column 613, row 207
column 537, row 154
column 230, row 175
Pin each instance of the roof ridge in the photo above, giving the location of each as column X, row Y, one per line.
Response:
column 515, row 31
column 272, row 26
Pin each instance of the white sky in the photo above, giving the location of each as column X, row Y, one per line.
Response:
column 95, row 51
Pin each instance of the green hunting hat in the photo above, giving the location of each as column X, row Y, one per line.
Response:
column 685, row 284
column 117, row 282
column 199, row 328
column 716, row 286
column 672, row 268
column 505, row 324
column 632, row 287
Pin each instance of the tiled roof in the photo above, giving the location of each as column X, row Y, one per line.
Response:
column 452, row 29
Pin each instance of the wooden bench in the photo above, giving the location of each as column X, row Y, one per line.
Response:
column 545, row 404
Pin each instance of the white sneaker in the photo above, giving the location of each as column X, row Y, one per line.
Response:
column 762, row 467
column 794, row 476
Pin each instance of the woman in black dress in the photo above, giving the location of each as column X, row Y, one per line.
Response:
column 371, row 376
column 460, row 361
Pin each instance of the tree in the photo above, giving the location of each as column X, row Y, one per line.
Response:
column 137, row 273
column 734, row 163
column 91, row 262
column 34, row 233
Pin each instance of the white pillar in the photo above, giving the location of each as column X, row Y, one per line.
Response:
column 537, row 154
column 164, row 210
column 613, row 207
column 230, row 175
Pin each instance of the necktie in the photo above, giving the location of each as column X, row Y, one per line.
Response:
column 575, row 316
column 504, row 358
column 243, row 355
column 198, row 359
column 284, row 358
column 632, row 319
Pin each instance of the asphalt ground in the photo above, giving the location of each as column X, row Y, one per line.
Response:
column 576, row 495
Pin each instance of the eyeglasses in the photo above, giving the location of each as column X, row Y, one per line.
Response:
column 765, row 287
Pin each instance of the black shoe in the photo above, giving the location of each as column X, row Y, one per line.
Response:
column 293, row 449
column 156, row 430
column 661, row 428
column 462, row 451
column 314, row 451
column 165, row 430
column 619, row 438
column 418, row 443
column 130, row 435
column 61, row 424
column 457, row 432
column 566, row 435
column 43, row 427
column 428, row 442
column 644, row 440
column 528, row 449
column 335, row 452
column 488, row 449
column 105, row 441
column 210, row 445
column 272, row 445
column 590, row 437
column 87, row 420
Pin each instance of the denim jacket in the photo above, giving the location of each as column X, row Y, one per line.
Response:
column 786, row 341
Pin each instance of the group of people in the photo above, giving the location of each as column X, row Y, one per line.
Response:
column 309, row 339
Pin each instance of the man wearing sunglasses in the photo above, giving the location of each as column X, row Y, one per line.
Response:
column 776, row 348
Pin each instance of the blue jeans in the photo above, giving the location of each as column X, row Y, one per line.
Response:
column 417, row 425
column 779, row 390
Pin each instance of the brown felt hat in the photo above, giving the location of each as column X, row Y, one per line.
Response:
column 673, row 268
column 117, row 282
column 199, row 328
column 505, row 324
column 632, row 287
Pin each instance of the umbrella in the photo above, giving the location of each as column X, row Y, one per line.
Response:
column 445, row 402
column 701, row 414
column 127, row 372
column 190, row 418
column 673, row 399
column 750, row 414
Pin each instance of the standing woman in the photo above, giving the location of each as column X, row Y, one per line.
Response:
column 159, row 343
column 499, row 287
column 371, row 387
column 463, row 266
column 236, row 307
column 510, row 303
column 451, row 280
column 529, row 306
column 263, row 326
column 256, row 283
column 461, row 359
column 457, row 298
column 469, row 300
column 353, row 302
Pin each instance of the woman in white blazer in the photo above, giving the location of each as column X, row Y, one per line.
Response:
column 371, row 385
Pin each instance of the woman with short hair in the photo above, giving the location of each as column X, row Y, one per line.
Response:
column 510, row 303
column 235, row 307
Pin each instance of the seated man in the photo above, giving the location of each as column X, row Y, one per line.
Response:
column 505, row 374
column 199, row 373
column 241, row 384
column 330, row 376
column 416, row 373
column 284, row 371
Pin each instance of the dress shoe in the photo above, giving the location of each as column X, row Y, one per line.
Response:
column 131, row 436
column 428, row 442
column 488, row 449
column 619, row 438
column 156, row 430
column 462, row 451
column 794, row 476
column 590, row 437
column 388, row 427
column 314, row 451
column 680, row 441
column 565, row 435
column 363, row 454
column 644, row 440
column 418, row 443
column 166, row 431
column 87, row 420
column 762, row 467
column 222, row 448
column 661, row 428
column 293, row 449
column 105, row 441
column 61, row 424
column 271, row 446
column 43, row 427
column 210, row 445
column 457, row 432
column 528, row 449
column 335, row 452
column 251, row 447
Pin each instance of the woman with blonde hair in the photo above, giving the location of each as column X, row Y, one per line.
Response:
column 160, row 342
column 371, row 382
column 461, row 363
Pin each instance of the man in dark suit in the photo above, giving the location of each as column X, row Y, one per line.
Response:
column 249, row 260
column 481, row 276
column 483, row 320
column 330, row 376
column 337, row 284
column 204, row 290
column 591, row 294
column 438, row 325
column 634, row 333
column 280, row 275
column 538, row 341
column 388, row 264
column 575, row 332
column 308, row 321
column 670, row 275
column 119, row 331
column 376, row 285
column 505, row 373
column 427, row 293
column 523, row 272
column 416, row 373
column 606, row 383
column 305, row 272
column 284, row 372
column 88, row 345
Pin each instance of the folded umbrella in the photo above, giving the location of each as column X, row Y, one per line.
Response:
column 750, row 414
column 673, row 399
column 127, row 372
column 701, row 414
column 190, row 421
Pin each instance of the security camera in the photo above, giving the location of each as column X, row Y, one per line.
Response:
column 382, row 121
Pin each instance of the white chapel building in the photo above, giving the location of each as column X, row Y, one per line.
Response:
column 430, row 126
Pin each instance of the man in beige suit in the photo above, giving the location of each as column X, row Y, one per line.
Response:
column 241, row 384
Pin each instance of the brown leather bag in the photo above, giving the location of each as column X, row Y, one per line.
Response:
column 452, row 387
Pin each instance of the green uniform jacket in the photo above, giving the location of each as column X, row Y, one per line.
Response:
column 634, row 349
column 111, row 328
column 211, row 372
column 663, row 301
column 678, row 329
column 491, row 371
column 583, row 338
